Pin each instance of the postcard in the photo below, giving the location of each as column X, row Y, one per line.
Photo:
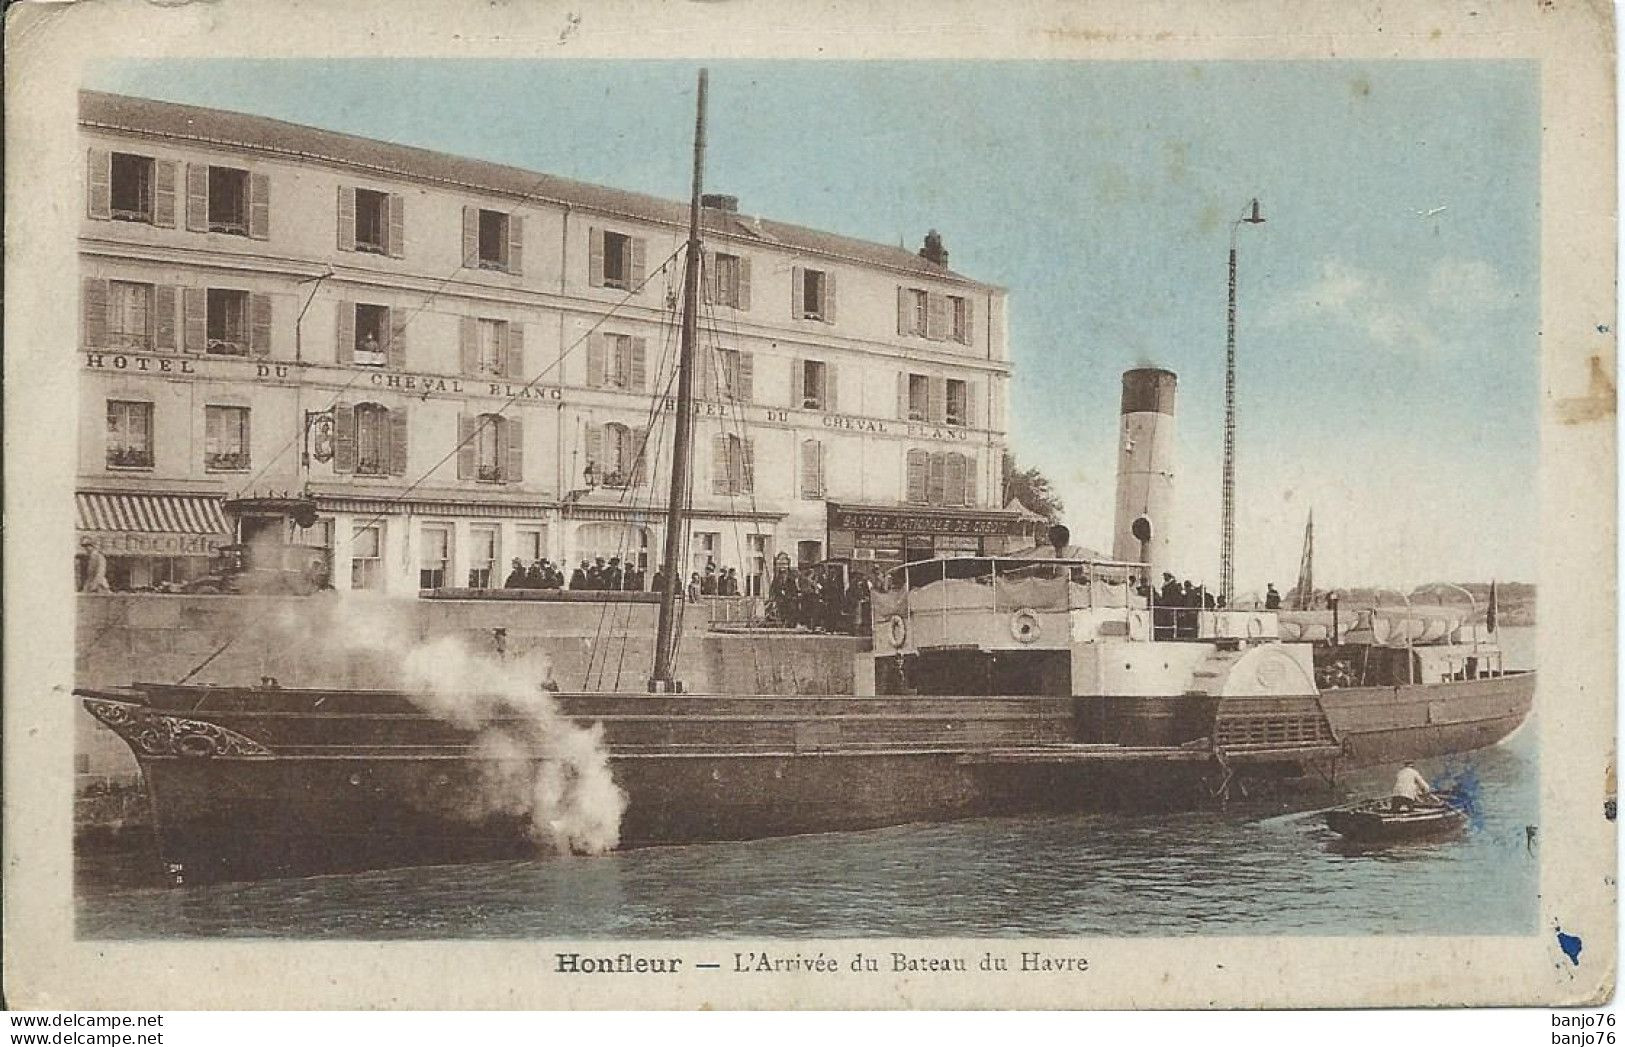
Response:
column 867, row 506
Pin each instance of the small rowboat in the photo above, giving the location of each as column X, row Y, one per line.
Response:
column 1376, row 821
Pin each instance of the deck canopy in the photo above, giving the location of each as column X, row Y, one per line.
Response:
column 1003, row 582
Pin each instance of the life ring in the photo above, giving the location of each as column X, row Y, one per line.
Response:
column 1255, row 627
column 1136, row 623
column 1024, row 626
column 897, row 629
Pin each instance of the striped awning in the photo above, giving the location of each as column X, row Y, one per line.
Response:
column 151, row 513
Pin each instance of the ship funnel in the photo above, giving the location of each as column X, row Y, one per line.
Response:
column 1145, row 468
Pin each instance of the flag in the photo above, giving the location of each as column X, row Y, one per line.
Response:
column 1494, row 613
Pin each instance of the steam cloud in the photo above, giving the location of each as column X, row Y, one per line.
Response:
column 533, row 762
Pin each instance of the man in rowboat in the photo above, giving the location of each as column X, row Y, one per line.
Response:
column 1412, row 790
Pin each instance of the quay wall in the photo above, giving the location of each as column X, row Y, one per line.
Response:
column 128, row 637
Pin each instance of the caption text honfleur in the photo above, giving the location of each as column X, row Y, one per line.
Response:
column 811, row 963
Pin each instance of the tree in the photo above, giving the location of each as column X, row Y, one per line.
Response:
column 1031, row 488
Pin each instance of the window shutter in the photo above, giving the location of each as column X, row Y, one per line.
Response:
column 95, row 315
column 471, row 236
column 938, row 478
column 747, row 378
column 468, row 344
column 197, row 197
column 597, row 343
column 466, row 469
column 259, row 206
column 936, row 317
column 163, row 193
column 708, row 277
column 829, row 297
column 344, row 350
column 798, row 371
column 744, row 282
column 719, row 464
column 798, row 298
column 812, row 469
column 259, row 325
column 343, row 438
column 397, row 226
column 971, row 490
column 640, row 350
column 905, row 310
column 595, row 257
column 395, row 350
column 709, row 388
column 194, row 319
column 831, row 403
column 513, row 430
column 939, row 400
column 639, row 255
column 915, row 476
column 515, row 333
column 902, row 395
column 346, row 218
column 516, row 243
column 747, row 452
column 595, row 449
column 973, row 396
column 969, row 337
column 397, row 442
column 99, row 179
column 163, row 307
column 640, row 455
column 953, row 479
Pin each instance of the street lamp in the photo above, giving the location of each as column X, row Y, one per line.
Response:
column 1227, row 537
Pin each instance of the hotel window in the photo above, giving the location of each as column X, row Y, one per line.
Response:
column 490, row 448
column 913, row 310
column 493, row 240
column 705, row 546
column 917, row 407
column 958, row 405
column 129, row 434
column 730, row 281
column 812, row 294
column 131, row 180
column 228, row 200
column 615, row 470
column 959, row 316
column 371, row 440
column 493, row 337
column 614, row 259
column 733, row 468
column 227, row 322
column 616, row 361
column 756, row 566
column 435, row 557
column 940, row 478
column 371, row 346
column 130, row 315
column 733, row 375
column 371, row 221
column 482, row 556
column 617, row 260
column 366, row 556
column 531, row 542
column 225, row 437
column 815, row 393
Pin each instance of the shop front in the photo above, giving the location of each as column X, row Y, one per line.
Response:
column 892, row 535
column 149, row 541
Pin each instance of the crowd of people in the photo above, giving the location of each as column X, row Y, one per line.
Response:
column 822, row 600
column 595, row 575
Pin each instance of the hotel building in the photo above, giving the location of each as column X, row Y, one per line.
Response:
column 463, row 363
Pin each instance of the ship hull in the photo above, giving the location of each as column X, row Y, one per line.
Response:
column 250, row 784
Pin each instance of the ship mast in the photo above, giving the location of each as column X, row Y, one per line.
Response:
column 662, row 679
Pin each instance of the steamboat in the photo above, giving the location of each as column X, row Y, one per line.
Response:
column 1048, row 680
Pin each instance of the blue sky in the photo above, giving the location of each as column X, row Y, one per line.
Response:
column 1388, row 308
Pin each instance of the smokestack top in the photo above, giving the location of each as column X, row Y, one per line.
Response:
column 720, row 202
column 1149, row 389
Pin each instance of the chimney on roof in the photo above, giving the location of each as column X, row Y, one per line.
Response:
column 720, row 202
column 933, row 251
